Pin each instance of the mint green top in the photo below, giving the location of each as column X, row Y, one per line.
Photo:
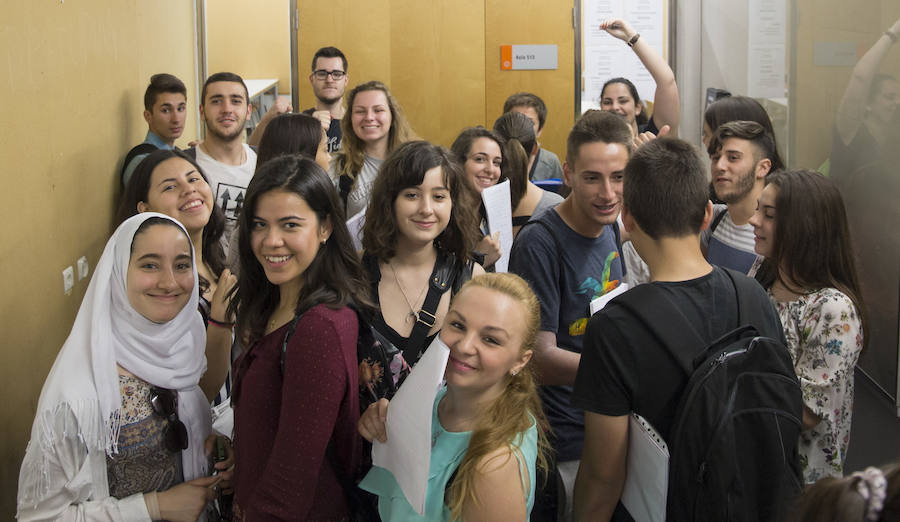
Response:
column 447, row 450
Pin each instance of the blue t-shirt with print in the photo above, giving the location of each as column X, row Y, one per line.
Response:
column 565, row 282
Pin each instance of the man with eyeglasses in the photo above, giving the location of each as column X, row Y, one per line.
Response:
column 328, row 79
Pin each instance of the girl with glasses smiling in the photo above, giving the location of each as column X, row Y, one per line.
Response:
column 121, row 422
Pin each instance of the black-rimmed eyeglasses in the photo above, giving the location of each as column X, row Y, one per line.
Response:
column 165, row 404
column 321, row 74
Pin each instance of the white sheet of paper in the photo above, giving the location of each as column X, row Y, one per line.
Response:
column 355, row 226
column 499, row 217
column 598, row 303
column 647, row 478
column 407, row 452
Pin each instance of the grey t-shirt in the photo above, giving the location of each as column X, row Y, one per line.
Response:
column 358, row 198
column 546, row 166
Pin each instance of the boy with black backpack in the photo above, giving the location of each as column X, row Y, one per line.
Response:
column 728, row 408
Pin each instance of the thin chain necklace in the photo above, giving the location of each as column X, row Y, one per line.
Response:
column 413, row 315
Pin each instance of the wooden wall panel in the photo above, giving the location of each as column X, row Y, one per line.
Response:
column 437, row 57
column 362, row 30
column 75, row 79
column 532, row 22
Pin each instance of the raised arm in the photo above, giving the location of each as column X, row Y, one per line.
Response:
column 218, row 338
column 281, row 106
column 666, row 107
column 852, row 109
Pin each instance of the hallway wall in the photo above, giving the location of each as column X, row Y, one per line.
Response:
column 73, row 91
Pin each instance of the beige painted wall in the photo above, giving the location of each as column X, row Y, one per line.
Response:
column 251, row 39
column 73, row 88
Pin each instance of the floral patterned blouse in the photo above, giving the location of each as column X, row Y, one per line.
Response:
column 824, row 336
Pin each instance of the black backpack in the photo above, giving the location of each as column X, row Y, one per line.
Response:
column 137, row 150
column 733, row 443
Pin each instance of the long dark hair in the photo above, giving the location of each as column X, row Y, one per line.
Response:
column 640, row 118
column 518, row 132
column 290, row 134
column 138, row 188
column 334, row 277
column 460, row 149
column 812, row 247
column 404, row 168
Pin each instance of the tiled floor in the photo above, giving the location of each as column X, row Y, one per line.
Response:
column 875, row 434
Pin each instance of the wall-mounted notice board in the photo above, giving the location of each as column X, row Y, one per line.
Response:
column 603, row 56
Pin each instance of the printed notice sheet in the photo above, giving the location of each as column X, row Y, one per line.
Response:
column 407, row 452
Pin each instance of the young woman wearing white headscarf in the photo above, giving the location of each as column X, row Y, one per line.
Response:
column 99, row 448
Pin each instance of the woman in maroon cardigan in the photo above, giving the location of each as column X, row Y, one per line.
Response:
column 295, row 394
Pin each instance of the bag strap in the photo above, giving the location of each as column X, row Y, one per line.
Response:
column 672, row 329
column 615, row 227
column 345, row 183
column 137, row 150
column 716, row 220
column 287, row 335
column 442, row 278
column 658, row 314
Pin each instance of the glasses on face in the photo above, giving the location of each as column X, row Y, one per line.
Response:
column 165, row 404
column 321, row 74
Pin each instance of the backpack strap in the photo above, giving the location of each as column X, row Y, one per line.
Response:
column 716, row 220
column 345, row 183
column 661, row 316
column 137, row 150
column 445, row 272
column 370, row 265
column 287, row 335
column 615, row 227
column 658, row 314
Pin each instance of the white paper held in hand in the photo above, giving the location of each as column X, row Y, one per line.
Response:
column 355, row 226
column 407, row 452
column 499, row 218
column 598, row 303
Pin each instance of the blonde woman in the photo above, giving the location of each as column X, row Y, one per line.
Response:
column 373, row 128
column 488, row 429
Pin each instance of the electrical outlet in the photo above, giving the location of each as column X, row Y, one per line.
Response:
column 68, row 280
column 82, row 265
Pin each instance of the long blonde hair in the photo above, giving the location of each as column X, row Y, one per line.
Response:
column 353, row 149
column 514, row 411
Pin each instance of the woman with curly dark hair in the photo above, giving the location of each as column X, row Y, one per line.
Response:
column 419, row 232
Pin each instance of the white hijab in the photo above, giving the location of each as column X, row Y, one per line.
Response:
column 108, row 331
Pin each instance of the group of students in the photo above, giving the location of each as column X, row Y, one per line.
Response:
column 534, row 386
